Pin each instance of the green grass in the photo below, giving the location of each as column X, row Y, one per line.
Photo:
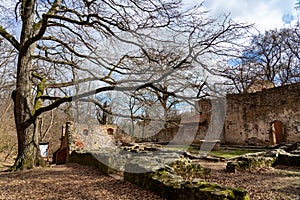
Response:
column 223, row 152
column 230, row 153
column 177, row 147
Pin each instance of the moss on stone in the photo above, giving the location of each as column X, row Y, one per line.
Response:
column 188, row 170
column 250, row 163
column 169, row 183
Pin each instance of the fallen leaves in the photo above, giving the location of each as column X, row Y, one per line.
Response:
column 67, row 182
column 74, row 182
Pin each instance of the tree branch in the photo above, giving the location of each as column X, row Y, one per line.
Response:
column 41, row 27
column 11, row 39
column 67, row 84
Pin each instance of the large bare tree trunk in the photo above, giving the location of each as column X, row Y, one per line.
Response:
column 23, row 102
column 25, row 124
column 23, row 110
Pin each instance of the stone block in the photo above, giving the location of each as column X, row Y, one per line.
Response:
column 250, row 163
column 83, row 158
column 289, row 159
column 167, row 183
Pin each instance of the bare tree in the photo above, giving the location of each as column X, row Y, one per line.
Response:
column 272, row 56
column 297, row 5
column 7, row 68
column 62, row 44
column 8, row 144
column 180, row 82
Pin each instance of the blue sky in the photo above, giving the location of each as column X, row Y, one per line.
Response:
column 266, row 14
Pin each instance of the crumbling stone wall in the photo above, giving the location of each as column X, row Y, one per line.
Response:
column 194, row 125
column 250, row 116
column 61, row 155
column 88, row 137
column 91, row 137
column 181, row 180
column 260, row 85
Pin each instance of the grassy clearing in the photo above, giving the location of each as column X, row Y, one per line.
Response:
column 230, row 153
column 223, row 152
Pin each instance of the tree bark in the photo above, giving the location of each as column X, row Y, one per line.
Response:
column 23, row 111
column 23, row 102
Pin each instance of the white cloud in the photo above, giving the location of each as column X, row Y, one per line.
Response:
column 266, row 14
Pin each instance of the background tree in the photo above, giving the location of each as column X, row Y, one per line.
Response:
column 63, row 44
column 272, row 56
column 7, row 68
column 297, row 5
column 275, row 61
column 8, row 142
column 182, row 82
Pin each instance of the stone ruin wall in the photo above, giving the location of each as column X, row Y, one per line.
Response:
column 88, row 137
column 251, row 115
column 188, row 128
column 91, row 137
column 248, row 116
column 94, row 137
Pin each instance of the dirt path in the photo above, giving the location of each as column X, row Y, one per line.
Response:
column 67, row 182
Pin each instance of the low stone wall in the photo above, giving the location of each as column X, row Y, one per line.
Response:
column 110, row 160
column 88, row 158
column 168, row 184
column 264, row 159
column 182, row 190
column 83, row 158
column 289, row 159
column 250, row 163
column 151, row 170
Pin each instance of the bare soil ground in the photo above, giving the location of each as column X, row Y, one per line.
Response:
column 74, row 181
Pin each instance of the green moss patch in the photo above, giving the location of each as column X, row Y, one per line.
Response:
column 182, row 180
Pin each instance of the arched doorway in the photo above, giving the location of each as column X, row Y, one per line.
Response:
column 277, row 132
column 110, row 131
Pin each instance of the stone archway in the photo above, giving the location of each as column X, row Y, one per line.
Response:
column 277, row 132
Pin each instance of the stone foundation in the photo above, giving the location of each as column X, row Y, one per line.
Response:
column 176, row 180
column 265, row 159
column 171, row 183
